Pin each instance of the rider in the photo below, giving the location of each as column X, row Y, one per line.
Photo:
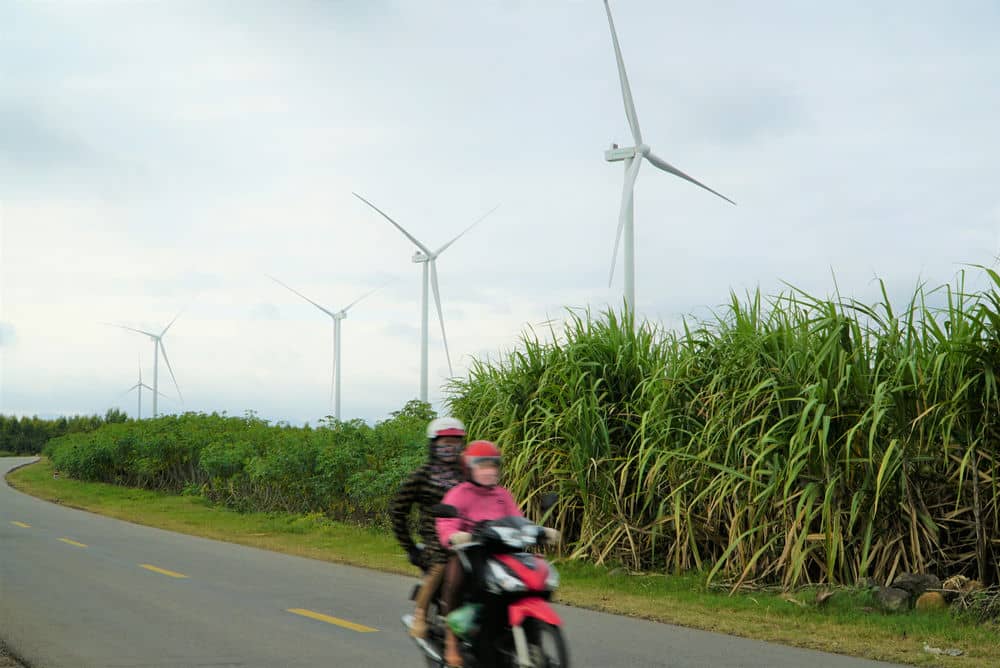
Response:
column 424, row 488
column 478, row 499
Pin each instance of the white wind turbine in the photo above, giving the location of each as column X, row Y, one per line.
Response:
column 429, row 259
column 158, row 346
column 336, row 317
column 632, row 156
column 139, row 386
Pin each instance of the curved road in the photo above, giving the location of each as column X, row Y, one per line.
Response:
column 80, row 590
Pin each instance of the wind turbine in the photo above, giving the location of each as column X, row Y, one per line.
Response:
column 428, row 258
column 157, row 340
column 138, row 386
column 336, row 317
column 633, row 156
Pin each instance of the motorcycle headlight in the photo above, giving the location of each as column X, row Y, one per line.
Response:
column 501, row 580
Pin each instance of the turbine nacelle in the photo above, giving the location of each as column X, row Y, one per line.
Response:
column 618, row 153
column 420, row 256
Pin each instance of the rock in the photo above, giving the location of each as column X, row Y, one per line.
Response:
column 937, row 650
column 931, row 600
column 916, row 583
column 892, row 599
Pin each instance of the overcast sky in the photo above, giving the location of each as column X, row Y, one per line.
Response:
column 165, row 156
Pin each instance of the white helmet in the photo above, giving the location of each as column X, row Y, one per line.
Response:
column 445, row 426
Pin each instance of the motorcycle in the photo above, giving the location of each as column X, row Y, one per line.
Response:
column 506, row 621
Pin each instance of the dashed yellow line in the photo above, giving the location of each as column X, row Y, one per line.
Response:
column 22, row 525
column 69, row 541
column 336, row 621
column 162, row 571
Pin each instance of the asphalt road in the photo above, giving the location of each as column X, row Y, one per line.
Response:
column 80, row 590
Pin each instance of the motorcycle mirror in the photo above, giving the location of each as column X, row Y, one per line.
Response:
column 444, row 510
column 549, row 500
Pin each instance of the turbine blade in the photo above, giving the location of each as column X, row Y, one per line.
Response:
column 131, row 329
column 126, row 392
column 633, row 120
column 628, row 193
column 171, row 322
column 479, row 220
column 151, row 390
column 324, row 310
column 670, row 169
column 163, row 350
column 437, row 302
column 364, row 296
column 395, row 224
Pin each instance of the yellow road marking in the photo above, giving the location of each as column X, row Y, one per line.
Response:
column 72, row 542
column 332, row 620
column 22, row 525
column 162, row 571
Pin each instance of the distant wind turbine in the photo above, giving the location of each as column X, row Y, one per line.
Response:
column 336, row 317
column 158, row 346
column 428, row 258
column 632, row 156
column 139, row 386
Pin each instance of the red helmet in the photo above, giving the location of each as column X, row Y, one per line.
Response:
column 481, row 452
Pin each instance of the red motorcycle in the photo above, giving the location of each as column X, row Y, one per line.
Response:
column 506, row 621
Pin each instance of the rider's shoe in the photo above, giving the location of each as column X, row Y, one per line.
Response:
column 418, row 627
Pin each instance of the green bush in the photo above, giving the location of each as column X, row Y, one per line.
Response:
column 345, row 470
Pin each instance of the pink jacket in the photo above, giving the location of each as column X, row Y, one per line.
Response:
column 477, row 504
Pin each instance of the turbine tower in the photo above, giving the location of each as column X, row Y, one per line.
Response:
column 158, row 346
column 336, row 317
column 633, row 157
column 428, row 259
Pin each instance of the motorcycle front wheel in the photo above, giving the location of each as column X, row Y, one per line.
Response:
column 546, row 646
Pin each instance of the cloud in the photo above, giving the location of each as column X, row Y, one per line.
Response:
column 30, row 140
column 265, row 311
column 8, row 335
column 747, row 114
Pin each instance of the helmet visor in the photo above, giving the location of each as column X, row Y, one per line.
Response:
column 483, row 461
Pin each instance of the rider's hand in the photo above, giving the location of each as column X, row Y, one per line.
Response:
column 416, row 556
column 551, row 536
column 460, row 538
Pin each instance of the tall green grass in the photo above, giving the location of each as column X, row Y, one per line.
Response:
column 788, row 440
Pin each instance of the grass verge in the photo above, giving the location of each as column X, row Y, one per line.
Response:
column 845, row 623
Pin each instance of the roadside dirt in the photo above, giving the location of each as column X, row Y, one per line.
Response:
column 6, row 660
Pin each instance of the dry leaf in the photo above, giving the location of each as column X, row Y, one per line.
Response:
column 792, row 599
column 823, row 596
